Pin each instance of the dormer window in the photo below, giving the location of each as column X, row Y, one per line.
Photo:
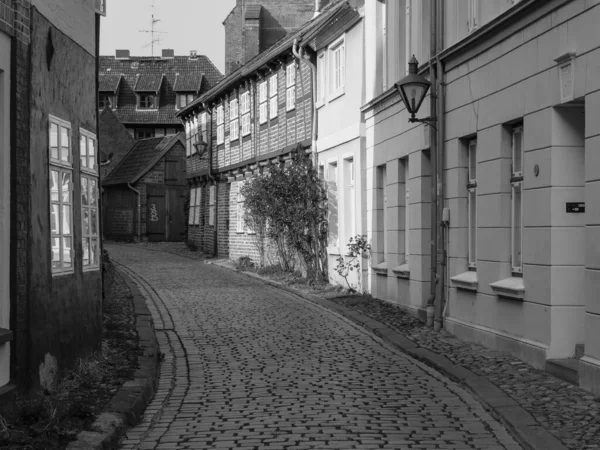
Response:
column 184, row 99
column 147, row 101
column 106, row 100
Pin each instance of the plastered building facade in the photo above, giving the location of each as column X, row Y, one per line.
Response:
column 519, row 155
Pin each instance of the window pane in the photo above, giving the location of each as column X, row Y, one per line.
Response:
column 472, row 226
column 66, row 253
column 92, row 154
column 517, row 260
column 53, row 141
column 473, row 160
column 84, row 191
column 517, row 149
column 66, row 220
column 66, row 187
column 86, row 251
column 83, row 151
column 54, row 186
column 64, row 144
column 93, row 193
column 86, row 222
column 55, row 219
column 94, row 252
column 94, row 219
column 56, row 253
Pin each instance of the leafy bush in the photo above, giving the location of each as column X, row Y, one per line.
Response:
column 244, row 264
column 288, row 207
column 357, row 247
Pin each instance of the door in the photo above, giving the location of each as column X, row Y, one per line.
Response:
column 176, row 197
column 156, row 214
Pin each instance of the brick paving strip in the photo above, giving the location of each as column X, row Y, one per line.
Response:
column 128, row 404
column 247, row 366
column 542, row 411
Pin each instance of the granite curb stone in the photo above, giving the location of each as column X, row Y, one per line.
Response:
column 129, row 403
column 524, row 427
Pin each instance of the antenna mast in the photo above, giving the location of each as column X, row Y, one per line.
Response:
column 154, row 33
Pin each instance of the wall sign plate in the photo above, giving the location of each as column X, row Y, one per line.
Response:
column 575, row 207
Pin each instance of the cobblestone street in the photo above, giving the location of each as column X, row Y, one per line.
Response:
column 247, row 366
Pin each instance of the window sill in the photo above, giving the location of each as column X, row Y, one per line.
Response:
column 333, row 250
column 91, row 269
column 402, row 271
column 147, row 109
column 320, row 104
column 381, row 268
column 467, row 281
column 60, row 274
column 290, row 109
column 512, row 288
column 5, row 336
column 335, row 95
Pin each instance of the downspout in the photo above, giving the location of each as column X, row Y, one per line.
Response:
column 442, row 226
column 434, row 172
column 298, row 53
column 209, row 136
column 139, row 211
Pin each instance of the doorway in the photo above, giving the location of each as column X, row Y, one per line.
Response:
column 165, row 213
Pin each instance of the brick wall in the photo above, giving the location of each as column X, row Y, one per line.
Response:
column 20, row 207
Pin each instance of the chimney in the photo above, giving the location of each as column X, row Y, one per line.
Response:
column 193, row 54
column 122, row 54
column 168, row 53
column 252, row 23
column 318, row 7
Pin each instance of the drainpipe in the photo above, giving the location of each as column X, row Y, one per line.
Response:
column 139, row 211
column 442, row 226
column 300, row 56
column 434, row 172
column 210, row 175
column 317, row 8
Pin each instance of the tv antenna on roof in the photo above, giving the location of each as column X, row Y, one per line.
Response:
column 154, row 33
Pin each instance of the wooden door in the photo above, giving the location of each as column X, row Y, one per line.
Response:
column 176, row 197
column 156, row 214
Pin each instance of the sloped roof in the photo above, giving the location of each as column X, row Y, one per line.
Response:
column 109, row 82
column 187, row 83
column 142, row 157
column 253, row 12
column 278, row 49
column 200, row 68
column 114, row 140
column 148, row 82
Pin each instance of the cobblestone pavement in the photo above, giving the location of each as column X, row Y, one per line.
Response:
column 249, row 367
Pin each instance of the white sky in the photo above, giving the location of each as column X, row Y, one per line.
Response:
column 190, row 25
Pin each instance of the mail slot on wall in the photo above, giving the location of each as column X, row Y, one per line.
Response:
column 573, row 207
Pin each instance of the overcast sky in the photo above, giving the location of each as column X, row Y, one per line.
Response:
column 190, row 25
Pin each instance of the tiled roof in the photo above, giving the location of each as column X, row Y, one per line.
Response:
column 253, row 11
column 114, row 140
column 148, row 82
column 281, row 47
column 187, row 83
column 109, row 82
column 141, row 158
column 200, row 68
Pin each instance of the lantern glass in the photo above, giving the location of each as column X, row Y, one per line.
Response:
column 413, row 95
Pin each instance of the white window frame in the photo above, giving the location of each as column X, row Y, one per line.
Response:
column 203, row 123
column 406, row 210
column 472, row 203
column 212, row 201
column 246, row 126
column 290, row 93
column 245, row 111
column 273, row 97
column 193, row 194
column 240, row 209
column 337, row 74
column 147, row 108
column 220, row 125
column 516, row 181
column 89, row 173
column 473, row 15
column 61, row 166
column 321, row 78
column 262, row 100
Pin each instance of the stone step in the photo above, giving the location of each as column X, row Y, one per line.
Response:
column 579, row 351
column 565, row 369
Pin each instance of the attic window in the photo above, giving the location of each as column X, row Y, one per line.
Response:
column 147, row 101
column 184, row 99
column 105, row 100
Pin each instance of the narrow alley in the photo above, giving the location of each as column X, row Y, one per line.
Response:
column 247, row 366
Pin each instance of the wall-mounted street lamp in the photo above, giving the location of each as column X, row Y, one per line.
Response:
column 413, row 88
column 201, row 148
